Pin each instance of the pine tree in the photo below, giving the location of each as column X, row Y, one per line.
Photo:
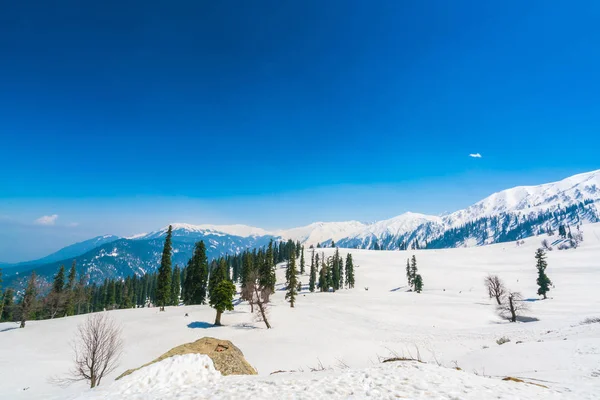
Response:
column 59, row 280
column 340, row 268
column 217, row 274
column 28, row 301
column 292, row 282
column 6, row 312
column 335, row 273
column 349, row 271
column 196, row 277
column 70, row 290
column 221, row 298
column 413, row 270
column 542, row 280
column 332, row 244
column 163, row 289
column 175, row 286
column 323, row 275
column 313, row 272
column 270, row 260
column 418, row 281
column 302, row 266
column 409, row 276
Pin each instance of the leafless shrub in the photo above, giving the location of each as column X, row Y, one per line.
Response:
column 341, row 364
column 258, row 295
column 546, row 245
column 512, row 306
column 587, row 321
column 495, row 287
column 319, row 367
column 97, row 347
column 395, row 356
column 502, row 340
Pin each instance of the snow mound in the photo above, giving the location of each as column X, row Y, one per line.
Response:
column 161, row 380
column 193, row 377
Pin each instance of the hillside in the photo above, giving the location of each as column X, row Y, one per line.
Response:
column 453, row 322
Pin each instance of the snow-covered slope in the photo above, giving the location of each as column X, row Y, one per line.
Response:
column 183, row 229
column 193, row 376
column 571, row 190
column 320, row 232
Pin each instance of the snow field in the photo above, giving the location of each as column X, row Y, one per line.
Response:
column 451, row 323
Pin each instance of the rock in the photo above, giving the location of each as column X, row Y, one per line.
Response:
column 226, row 357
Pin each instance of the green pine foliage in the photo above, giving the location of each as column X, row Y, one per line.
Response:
column 302, row 262
column 196, row 276
column 221, row 298
column 409, row 275
column 418, row 282
column 175, row 286
column 323, row 286
column 349, row 272
column 163, row 288
column 292, row 281
column 314, row 266
column 543, row 281
column 413, row 270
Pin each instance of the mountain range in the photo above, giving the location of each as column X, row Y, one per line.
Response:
column 507, row 215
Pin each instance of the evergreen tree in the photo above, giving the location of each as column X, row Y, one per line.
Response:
column 340, row 268
column 29, row 298
column 302, row 266
column 542, row 280
column 270, row 278
column 70, row 291
column 1, row 296
column 217, row 274
column 196, row 277
column 175, row 286
column 59, row 280
column 332, row 244
column 322, row 275
column 409, row 273
column 6, row 311
column 292, row 282
column 418, row 281
column 221, row 298
column 413, row 270
column 313, row 271
column 163, row 289
column 349, row 272
column 335, row 273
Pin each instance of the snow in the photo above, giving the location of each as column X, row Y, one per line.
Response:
column 399, row 225
column 218, row 230
column 453, row 322
column 320, row 232
column 193, row 376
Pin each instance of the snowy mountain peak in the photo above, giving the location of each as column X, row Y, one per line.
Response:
column 218, row 230
column 319, row 232
column 571, row 190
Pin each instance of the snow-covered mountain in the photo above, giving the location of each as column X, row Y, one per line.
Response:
column 504, row 216
column 527, row 199
column 320, row 232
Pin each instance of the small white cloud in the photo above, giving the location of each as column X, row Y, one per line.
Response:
column 475, row 155
column 46, row 220
column 73, row 224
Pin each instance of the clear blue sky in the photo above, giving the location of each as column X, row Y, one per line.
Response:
column 122, row 116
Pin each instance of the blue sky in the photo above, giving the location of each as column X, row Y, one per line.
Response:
column 120, row 117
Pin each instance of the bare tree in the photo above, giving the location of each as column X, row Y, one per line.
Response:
column 512, row 306
column 259, row 295
column 97, row 347
column 546, row 245
column 495, row 287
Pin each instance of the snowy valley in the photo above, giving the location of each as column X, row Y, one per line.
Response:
column 452, row 324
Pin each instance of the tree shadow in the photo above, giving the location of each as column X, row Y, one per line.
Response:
column 527, row 319
column 397, row 289
column 9, row 329
column 531, row 299
column 200, row 325
column 245, row 326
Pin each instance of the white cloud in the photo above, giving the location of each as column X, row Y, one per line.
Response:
column 73, row 224
column 475, row 155
column 46, row 220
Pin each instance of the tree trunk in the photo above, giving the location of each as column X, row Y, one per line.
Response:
column 264, row 315
column 22, row 323
column 93, row 381
column 545, row 296
column 218, row 318
column 498, row 300
column 513, row 314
